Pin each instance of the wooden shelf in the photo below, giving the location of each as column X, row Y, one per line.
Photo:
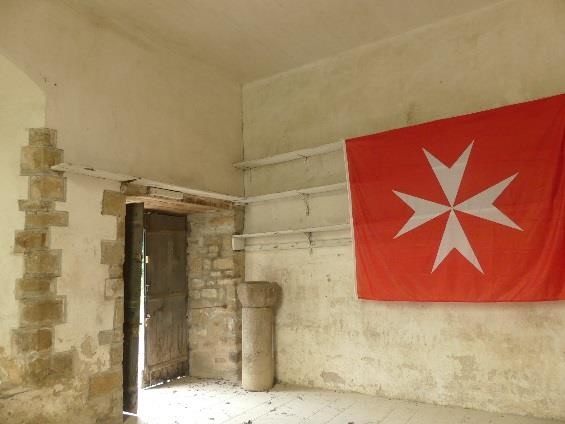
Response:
column 238, row 240
column 123, row 178
column 314, row 244
column 295, row 193
column 297, row 231
column 290, row 156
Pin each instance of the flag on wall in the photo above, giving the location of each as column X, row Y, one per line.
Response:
column 465, row 209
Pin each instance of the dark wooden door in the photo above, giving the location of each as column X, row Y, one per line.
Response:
column 133, row 273
column 166, row 298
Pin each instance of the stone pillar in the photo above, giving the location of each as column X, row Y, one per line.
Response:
column 258, row 365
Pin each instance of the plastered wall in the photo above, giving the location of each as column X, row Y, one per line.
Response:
column 124, row 102
column 83, row 274
column 498, row 357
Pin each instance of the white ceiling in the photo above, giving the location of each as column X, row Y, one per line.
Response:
column 252, row 39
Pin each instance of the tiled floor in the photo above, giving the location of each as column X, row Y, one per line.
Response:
column 190, row 401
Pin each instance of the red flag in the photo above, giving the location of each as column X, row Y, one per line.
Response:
column 465, row 209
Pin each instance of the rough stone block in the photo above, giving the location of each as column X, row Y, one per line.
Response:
column 43, row 263
column 33, row 287
column 112, row 252
column 31, row 340
column 27, row 240
column 206, row 265
column 133, row 189
column 47, row 219
column 116, row 354
column 42, row 137
column 229, row 281
column 36, row 205
column 104, row 383
column 119, row 313
column 113, row 203
column 116, row 271
column 203, row 364
column 239, row 264
column 223, row 263
column 39, row 160
column 208, row 299
column 195, row 265
column 121, row 228
column 114, row 287
column 47, row 187
column 225, row 219
column 196, row 283
column 46, row 369
column 227, row 243
column 194, row 294
column 209, row 293
column 231, row 294
column 107, row 337
column 38, row 370
column 62, row 363
column 40, row 311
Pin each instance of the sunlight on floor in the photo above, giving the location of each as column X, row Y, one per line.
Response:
column 193, row 401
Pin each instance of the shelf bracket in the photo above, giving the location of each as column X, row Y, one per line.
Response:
column 309, row 237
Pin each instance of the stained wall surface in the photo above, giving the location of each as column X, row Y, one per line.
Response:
column 126, row 103
column 497, row 357
column 83, row 275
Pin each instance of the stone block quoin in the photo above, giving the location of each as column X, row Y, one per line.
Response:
column 40, row 309
column 108, row 383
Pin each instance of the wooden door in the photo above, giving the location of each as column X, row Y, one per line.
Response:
column 166, row 298
column 133, row 274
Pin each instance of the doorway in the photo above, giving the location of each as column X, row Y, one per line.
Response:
column 155, row 300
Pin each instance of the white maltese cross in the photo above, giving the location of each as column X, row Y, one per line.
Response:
column 480, row 205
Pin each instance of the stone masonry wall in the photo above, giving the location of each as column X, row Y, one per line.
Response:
column 215, row 313
column 49, row 385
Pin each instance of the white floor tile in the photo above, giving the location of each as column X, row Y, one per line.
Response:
column 194, row 401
